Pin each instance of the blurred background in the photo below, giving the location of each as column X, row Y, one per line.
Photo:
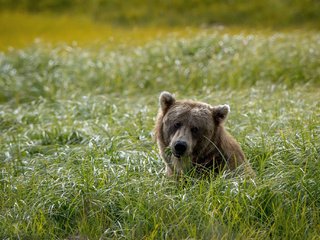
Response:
column 22, row 21
column 272, row 13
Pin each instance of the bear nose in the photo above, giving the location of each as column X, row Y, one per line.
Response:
column 180, row 147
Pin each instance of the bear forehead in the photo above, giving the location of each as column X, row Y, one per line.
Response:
column 190, row 110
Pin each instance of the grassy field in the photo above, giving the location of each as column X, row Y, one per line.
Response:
column 77, row 159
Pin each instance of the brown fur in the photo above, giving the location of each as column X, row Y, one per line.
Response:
column 200, row 127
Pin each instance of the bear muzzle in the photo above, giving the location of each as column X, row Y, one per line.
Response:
column 179, row 148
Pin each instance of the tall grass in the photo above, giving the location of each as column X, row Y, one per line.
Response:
column 77, row 158
column 199, row 64
column 87, row 167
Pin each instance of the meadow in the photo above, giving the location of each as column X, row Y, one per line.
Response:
column 76, row 151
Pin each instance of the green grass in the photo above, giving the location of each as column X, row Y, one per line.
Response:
column 78, row 161
column 197, row 65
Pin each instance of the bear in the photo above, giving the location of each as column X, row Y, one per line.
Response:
column 191, row 135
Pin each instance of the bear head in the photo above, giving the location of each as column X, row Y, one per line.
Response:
column 185, row 130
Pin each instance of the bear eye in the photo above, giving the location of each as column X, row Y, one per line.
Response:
column 194, row 130
column 177, row 125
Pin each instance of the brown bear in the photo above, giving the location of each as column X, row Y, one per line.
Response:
column 190, row 135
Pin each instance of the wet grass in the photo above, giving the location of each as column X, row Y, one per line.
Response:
column 76, row 151
column 198, row 65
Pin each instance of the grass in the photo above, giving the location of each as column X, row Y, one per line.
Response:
column 87, row 167
column 199, row 65
column 21, row 29
column 77, row 158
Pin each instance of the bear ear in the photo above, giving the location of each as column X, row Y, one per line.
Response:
column 220, row 113
column 166, row 100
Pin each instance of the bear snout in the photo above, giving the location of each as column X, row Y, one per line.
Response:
column 180, row 148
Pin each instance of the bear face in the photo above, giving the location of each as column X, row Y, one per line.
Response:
column 191, row 134
column 189, row 126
